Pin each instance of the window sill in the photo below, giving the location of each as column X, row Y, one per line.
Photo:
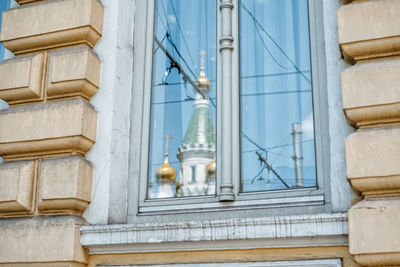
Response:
column 267, row 232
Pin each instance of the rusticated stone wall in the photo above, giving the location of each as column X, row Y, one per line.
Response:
column 369, row 37
column 45, row 181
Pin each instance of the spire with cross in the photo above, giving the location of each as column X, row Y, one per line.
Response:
column 202, row 83
column 167, row 137
column 203, row 54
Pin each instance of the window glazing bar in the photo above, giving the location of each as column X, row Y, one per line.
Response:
column 226, row 48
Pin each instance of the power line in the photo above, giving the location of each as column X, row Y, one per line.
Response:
column 272, row 74
column 277, row 93
column 185, row 77
column 278, row 146
column 269, row 167
column 180, row 29
column 179, row 54
column 245, row 77
column 257, row 23
column 269, row 52
column 166, row 19
column 244, row 95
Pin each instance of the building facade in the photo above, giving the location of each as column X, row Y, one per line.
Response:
column 123, row 143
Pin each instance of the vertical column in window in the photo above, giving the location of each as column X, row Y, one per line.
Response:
column 277, row 136
column 183, row 110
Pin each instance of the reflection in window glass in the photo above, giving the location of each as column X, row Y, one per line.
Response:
column 182, row 145
column 277, row 136
column 4, row 5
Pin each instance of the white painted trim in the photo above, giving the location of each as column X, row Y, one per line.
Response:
column 278, row 232
column 297, row 201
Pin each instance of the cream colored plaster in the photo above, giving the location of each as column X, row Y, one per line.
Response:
column 21, row 79
column 52, row 24
column 374, row 232
column 369, row 29
column 63, row 127
column 65, row 184
column 41, row 239
column 372, row 161
column 73, row 72
column 17, row 186
column 370, row 92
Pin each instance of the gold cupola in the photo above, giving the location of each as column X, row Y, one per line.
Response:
column 165, row 173
column 202, row 82
column 211, row 169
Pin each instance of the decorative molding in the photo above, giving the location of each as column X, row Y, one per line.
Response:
column 53, row 128
column 374, row 231
column 363, row 104
column 67, row 23
column 40, row 240
column 17, row 192
column 21, row 79
column 65, row 185
column 73, row 72
column 372, row 160
column 280, row 231
column 226, row 4
column 368, row 30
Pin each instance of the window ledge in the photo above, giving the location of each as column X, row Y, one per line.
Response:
column 279, row 231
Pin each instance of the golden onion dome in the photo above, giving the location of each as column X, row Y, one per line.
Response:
column 203, row 82
column 211, row 168
column 165, row 172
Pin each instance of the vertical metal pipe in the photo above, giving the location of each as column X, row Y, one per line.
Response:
column 296, row 127
column 225, row 48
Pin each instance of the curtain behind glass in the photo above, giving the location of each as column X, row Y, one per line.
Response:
column 276, row 96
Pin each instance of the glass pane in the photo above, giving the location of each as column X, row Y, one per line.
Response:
column 4, row 5
column 183, row 111
column 277, row 135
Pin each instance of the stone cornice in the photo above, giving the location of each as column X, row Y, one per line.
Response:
column 279, row 231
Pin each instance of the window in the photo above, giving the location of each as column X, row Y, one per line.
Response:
column 230, row 99
column 4, row 5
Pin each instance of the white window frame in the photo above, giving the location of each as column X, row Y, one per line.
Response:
column 229, row 202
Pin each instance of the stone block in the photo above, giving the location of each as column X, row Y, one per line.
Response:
column 372, row 161
column 73, row 72
column 40, row 240
column 369, row 29
column 374, row 232
column 54, row 128
column 21, row 79
column 65, row 185
column 17, row 187
column 52, row 24
column 370, row 93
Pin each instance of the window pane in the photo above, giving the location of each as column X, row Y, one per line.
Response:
column 182, row 145
column 277, row 136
